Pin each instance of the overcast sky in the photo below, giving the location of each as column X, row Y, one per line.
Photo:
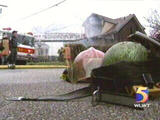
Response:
column 71, row 13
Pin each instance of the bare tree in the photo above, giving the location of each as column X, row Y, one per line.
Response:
column 154, row 20
column 154, row 24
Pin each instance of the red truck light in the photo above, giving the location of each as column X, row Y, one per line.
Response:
column 26, row 50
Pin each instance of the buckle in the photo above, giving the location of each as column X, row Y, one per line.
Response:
column 148, row 80
column 95, row 97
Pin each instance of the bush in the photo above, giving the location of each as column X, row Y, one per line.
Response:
column 46, row 63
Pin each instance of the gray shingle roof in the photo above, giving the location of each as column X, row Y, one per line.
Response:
column 121, row 22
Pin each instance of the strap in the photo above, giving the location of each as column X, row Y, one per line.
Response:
column 107, row 97
column 148, row 80
column 77, row 94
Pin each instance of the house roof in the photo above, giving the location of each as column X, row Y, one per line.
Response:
column 123, row 21
column 119, row 22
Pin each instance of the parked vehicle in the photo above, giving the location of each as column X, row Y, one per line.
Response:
column 26, row 48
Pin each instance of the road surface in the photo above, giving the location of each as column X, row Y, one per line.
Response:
column 41, row 82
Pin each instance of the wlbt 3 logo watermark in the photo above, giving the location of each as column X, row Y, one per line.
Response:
column 142, row 97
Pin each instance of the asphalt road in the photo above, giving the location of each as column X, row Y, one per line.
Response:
column 34, row 83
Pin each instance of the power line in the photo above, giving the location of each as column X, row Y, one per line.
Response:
column 55, row 5
column 43, row 10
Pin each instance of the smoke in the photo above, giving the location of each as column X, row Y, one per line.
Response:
column 93, row 27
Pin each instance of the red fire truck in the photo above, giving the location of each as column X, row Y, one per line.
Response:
column 26, row 48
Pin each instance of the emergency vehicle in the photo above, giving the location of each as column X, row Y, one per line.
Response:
column 26, row 46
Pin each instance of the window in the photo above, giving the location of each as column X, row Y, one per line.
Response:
column 26, row 40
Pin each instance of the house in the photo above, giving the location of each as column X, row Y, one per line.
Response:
column 104, row 31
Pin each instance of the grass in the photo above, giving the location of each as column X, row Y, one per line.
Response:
column 46, row 63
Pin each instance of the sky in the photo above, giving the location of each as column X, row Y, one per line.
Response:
column 71, row 13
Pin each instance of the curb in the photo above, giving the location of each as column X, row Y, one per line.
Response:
column 35, row 66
